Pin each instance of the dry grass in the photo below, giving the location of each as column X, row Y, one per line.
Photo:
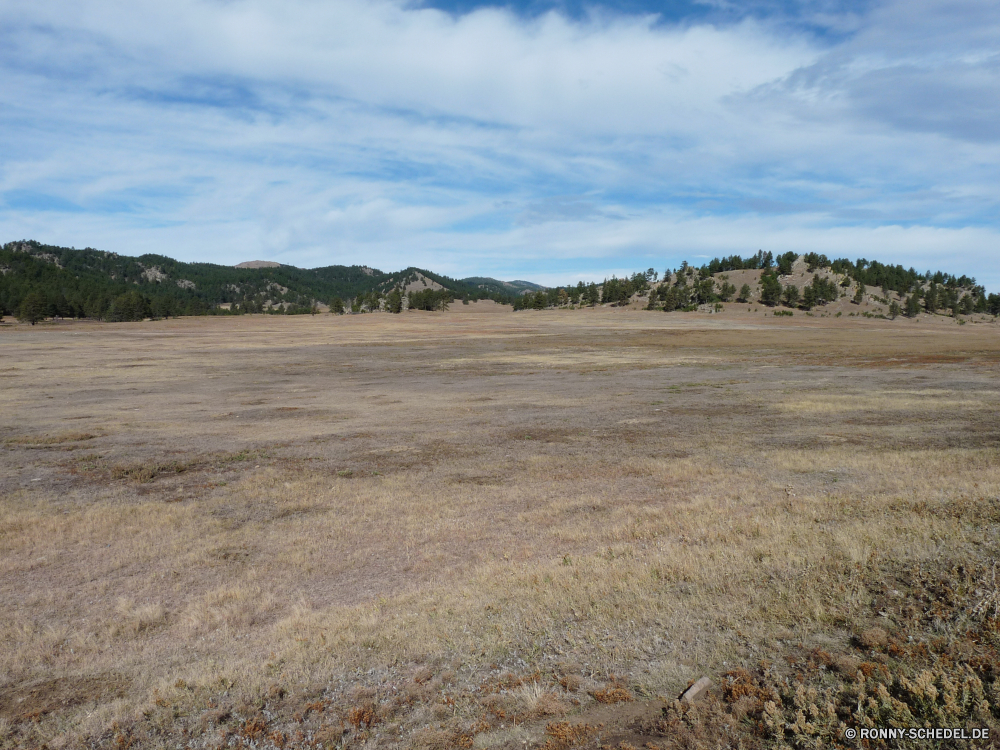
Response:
column 47, row 440
column 495, row 531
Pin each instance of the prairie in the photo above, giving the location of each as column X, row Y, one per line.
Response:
column 467, row 529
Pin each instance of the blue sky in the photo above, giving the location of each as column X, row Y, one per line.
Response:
column 551, row 141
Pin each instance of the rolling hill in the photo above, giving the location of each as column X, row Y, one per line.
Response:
column 86, row 283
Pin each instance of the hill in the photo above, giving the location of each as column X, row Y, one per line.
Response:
column 67, row 282
column 258, row 264
column 502, row 287
column 786, row 283
column 39, row 281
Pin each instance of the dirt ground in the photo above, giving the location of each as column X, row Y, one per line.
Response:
column 487, row 529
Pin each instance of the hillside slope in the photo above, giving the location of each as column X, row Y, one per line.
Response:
column 502, row 287
column 87, row 283
column 809, row 282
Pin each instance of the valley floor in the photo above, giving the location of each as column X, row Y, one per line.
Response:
column 497, row 530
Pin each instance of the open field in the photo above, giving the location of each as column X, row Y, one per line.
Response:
column 501, row 530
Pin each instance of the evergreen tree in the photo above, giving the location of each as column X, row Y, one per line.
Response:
column 912, row 306
column 337, row 306
column 676, row 298
column 785, row 261
column 790, row 296
column 194, row 307
column 745, row 293
column 394, row 301
column 814, row 261
column 32, row 309
column 161, row 307
column 993, row 304
column 981, row 300
column 809, row 297
column 130, row 306
column 704, row 292
column 859, row 294
column 770, row 289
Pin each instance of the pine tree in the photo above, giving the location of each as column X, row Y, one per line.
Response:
column 704, row 291
column 394, row 301
column 791, row 295
column 809, row 296
column 745, row 293
column 785, row 262
column 770, row 289
column 913, row 306
column 32, row 309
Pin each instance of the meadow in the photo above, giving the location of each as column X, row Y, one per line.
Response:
column 495, row 530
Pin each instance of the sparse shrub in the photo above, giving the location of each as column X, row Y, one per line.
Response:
column 363, row 716
column 533, row 699
column 612, row 695
column 563, row 735
column 143, row 473
column 873, row 638
column 570, row 682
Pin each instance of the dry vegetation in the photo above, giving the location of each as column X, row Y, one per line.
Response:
column 469, row 530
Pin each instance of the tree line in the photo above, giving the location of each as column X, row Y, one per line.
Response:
column 44, row 281
column 688, row 287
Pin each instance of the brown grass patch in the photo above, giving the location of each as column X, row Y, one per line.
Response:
column 29, row 441
column 801, row 511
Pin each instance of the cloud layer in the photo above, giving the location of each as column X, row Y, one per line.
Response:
column 489, row 141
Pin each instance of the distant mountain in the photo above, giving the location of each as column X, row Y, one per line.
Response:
column 257, row 264
column 85, row 283
column 502, row 287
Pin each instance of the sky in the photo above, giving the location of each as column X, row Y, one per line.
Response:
column 548, row 141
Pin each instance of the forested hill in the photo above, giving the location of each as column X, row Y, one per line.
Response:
column 96, row 284
column 513, row 288
column 790, row 281
column 40, row 281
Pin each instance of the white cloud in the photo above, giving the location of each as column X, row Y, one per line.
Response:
column 375, row 132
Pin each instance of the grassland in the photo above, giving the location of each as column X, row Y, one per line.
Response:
column 494, row 530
